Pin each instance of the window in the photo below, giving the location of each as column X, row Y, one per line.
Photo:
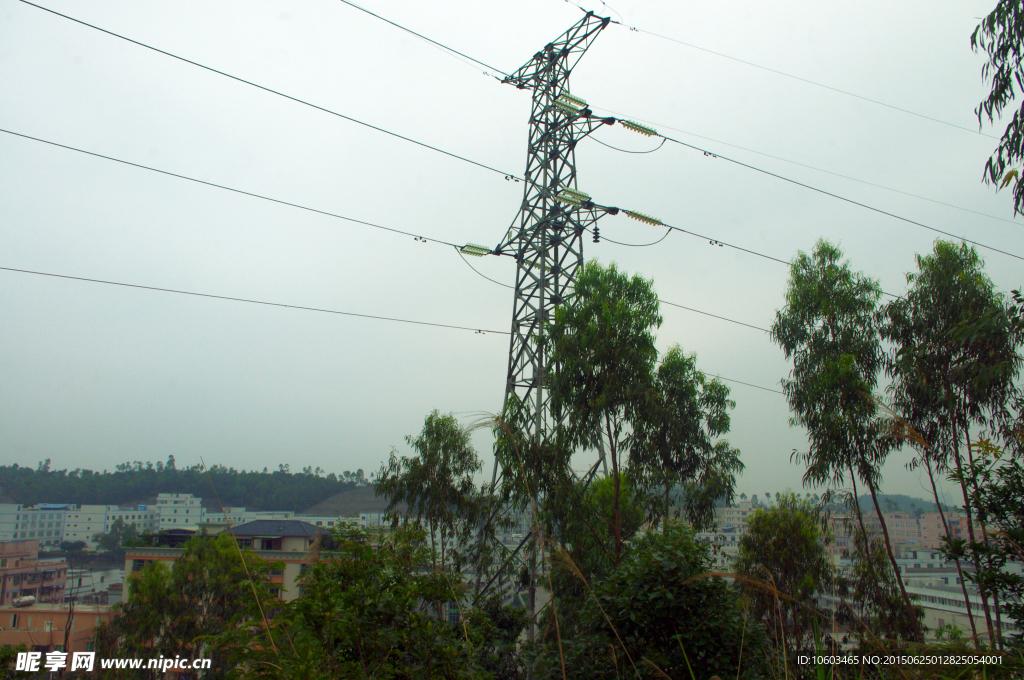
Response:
column 47, row 626
column 14, row 620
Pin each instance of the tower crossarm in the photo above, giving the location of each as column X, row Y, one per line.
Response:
column 567, row 49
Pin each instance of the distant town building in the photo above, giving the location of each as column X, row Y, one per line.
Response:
column 85, row 522
column 24, row 575
column 43, row 627
column 43, row 523
column 288, row 541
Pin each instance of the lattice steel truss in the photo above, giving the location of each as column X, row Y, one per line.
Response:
column 547, row 236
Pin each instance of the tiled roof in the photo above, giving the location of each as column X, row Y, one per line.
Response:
column 276, row 528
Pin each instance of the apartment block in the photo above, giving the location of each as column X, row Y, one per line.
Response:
column 84, row 522
column 177, row 510
column 43, row 523
column 23, row 574
column 287, row 541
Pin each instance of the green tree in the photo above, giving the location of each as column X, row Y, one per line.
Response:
column 946, row 381
column 436, row 485
column 210, row 589
column 658, row 614
column 1000, row 35
column 362, row 615
column 784, row 549
column 603, row 355
column 997, row 495
column 674, row 440
column 120, row 534
column 829, row 329
column 876, row 606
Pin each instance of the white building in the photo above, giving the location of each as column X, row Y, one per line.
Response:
column 730, row 527
column 183, row 509
column 43, row 523
column 84, row 522
column 179, row 509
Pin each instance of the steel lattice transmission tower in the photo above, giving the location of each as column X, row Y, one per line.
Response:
column 547, row 235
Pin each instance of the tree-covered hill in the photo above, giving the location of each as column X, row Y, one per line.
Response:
column 137, row 482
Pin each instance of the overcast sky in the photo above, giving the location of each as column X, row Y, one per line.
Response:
column 92, row 375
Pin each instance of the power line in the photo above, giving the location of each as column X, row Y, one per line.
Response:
column 636, row 245
column 423, row 37
column 809, row 167
column 841, row 198
column 806, row 80
column 665, row 302
column 766, row 389
column 227, row 188
column 627, row 150
column 276, row 92
column 786, row 160
column 250, row 301
column 457, row 250
column 723, row 318
column 478, row 331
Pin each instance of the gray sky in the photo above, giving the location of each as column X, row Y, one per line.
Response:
column 94, row 375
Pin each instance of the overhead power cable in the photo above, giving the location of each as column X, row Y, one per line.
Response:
column 276, row 92
column 841, row 198
column 423, row 37
column 766, row 389
column 806, row 80
column 635, row 245
column 627, row 150
column 716, row 316
column 809, row 167
column 481, row 274
column 227, row 188
column 478, row 331
column 251, row 301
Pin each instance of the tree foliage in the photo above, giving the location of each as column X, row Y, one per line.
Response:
column 436, row 485
column 954, row 368
column 784, row 550
column 829, row 328
column 1000, row 35
column 136, row 482
column 121, row 534
column 174, row 610
column 367, row 612
column 658, row 614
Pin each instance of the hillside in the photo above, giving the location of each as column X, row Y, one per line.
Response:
column 139, row 483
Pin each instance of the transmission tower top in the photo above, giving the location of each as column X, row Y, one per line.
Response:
column 565, row 51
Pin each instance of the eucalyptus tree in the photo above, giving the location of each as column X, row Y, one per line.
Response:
column 830, row 331
column 784, row 551
column 602, row 344
column 436, row 485
column 955, row 365
column 674, row 439
column 1000, row 35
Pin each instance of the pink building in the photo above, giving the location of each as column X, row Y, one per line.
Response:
column 23, row 574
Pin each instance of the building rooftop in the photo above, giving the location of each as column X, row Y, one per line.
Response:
column 276, row 528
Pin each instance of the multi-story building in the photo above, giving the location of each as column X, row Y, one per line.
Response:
column 179, row 509
column 932, row 529
column 84, row 522
column 287, row 541
column 44, row 627
column 43, row 523
column 23, row 574
column 83, row 583
column 729, row 528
